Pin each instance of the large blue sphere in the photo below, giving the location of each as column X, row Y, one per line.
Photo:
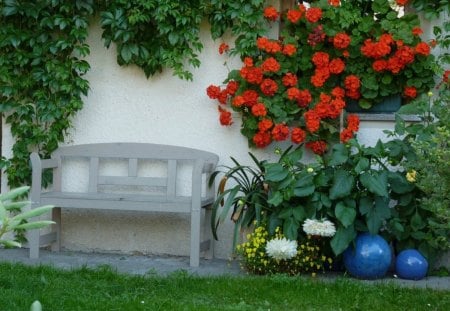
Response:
column 370, row 258
column 411, row 265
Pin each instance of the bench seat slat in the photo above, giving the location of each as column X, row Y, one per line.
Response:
column 130, row 202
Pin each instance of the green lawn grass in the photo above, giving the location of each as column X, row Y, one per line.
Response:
column 103, row 289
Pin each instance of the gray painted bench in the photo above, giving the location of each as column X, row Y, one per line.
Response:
column 166, row 200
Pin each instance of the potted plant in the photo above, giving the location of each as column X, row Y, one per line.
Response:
column 327, row 55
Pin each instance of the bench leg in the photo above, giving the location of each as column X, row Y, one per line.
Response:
column 33, row 242
column 209, row 254
column 56, row 217
column 195, row 238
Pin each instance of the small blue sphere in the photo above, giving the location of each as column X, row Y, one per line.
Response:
column 370, row 258
column 411, row 265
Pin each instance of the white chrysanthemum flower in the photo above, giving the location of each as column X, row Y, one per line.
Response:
column 281, row 249
column 319, row 227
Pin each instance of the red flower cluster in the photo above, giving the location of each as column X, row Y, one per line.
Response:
column 351, row 129
column 225, row 117
column 296, row 87
column 334, row 2
column 341, row 40
column 268, row 46
column 410, row 92
column 223, row 48
column 401, row 2
column 271, row 13
column 352, row 85
column 381, row 52
column 294, row 15
column 318, row 147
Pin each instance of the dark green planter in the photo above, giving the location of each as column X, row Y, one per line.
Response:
column 390, row 104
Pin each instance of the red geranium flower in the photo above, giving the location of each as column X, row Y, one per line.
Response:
column 321, row 59
column 401, row 2
column 379, row 65
column 269, row 87
column 417, row 31
column 410, row 92
column 280, row 132
column 213, row 91
column 265, row 125
column 312, row 121
column 318, row 147
column 336, row 66
column 250, row 97
column 334, row 2
column 289, row 79
column 289, row 49
column 298, row 135
column 294, row 15
column 262, row 139
column 223, row 47
column 423, row 48
column 270, row 65
column 341, row 40
column 225, row 117
column 259, row 110
column 313, row 15
column 271, row 13
column 232, row 87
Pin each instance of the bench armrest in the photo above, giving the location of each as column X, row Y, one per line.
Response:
column 37, row 166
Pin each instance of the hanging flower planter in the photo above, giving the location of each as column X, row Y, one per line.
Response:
column 390, row 104
column 329, row 54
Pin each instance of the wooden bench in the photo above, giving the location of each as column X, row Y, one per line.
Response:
column 167, row 200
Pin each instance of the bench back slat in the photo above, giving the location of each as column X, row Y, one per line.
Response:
column 93, row 178
column 171, row 178
column 135, row 150
column 134, row 181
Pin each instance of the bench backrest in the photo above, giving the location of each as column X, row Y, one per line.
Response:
column 133, row 153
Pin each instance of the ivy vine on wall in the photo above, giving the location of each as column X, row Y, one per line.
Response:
column 41, row 75
column 43, row 45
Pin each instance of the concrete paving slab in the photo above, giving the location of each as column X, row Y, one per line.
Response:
column 164, row 265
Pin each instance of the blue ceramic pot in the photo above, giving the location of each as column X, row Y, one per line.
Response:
column 411, row 265
column 370, row 258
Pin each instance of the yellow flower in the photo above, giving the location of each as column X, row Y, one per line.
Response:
column 430, row 94
column 411, row 176
column 310, row 170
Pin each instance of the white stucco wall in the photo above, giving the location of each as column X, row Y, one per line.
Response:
column 124, row 106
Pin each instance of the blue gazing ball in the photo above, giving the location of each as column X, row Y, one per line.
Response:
column 370, row 258
column 411, row 265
